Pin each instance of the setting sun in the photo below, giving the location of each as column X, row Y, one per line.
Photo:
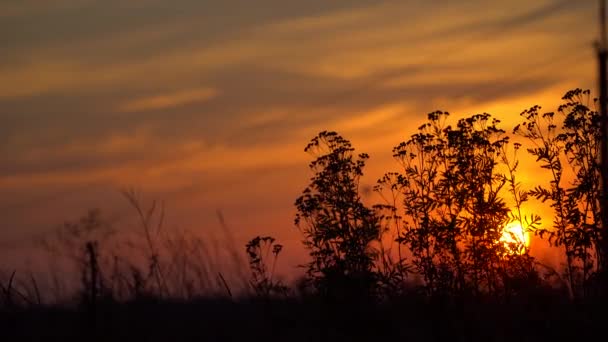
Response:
column 515, row 238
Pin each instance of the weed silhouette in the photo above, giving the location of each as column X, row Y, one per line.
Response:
column 338, row 228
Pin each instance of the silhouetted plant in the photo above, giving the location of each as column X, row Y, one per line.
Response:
column 392, row 264
column 142, row 263
column 179, row 263
column 570, row 152
column 338, row 228
column 519, row 274
column 91, row 279
column 259, row 251
column 479, row 143
column 454, row 212
column 15, row 294
column 150, row 231
column 73, row 241
column 7, row 291
column 72, row 236
column 531, row 223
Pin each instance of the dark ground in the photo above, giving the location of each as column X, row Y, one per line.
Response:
column 402, row 319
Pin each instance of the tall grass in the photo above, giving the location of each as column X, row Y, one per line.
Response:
column 117, row 262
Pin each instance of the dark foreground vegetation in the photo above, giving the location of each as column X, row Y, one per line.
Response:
column 413, row 318
column 431, row 261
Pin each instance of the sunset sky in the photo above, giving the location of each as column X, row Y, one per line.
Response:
column 209, row 104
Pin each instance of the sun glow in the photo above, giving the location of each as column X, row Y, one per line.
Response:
column 515, row 238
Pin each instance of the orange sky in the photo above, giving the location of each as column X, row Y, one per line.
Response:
column 209, row 104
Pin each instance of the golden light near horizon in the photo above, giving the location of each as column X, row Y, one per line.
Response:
column 515, row 238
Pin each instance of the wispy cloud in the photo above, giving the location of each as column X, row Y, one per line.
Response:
column 170, row 100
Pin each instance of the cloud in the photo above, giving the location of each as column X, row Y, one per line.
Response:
column 347, row 43
column 170, row 100
column 29, row 7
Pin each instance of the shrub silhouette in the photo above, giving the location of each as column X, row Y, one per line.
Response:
column 453, row 210
column 338, row 228
column 574, row 147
